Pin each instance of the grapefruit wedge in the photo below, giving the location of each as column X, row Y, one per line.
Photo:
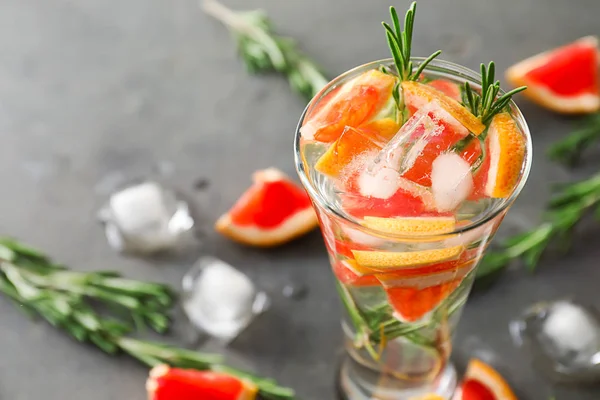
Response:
column 412, row 226
column 165, row 383
column 387, row 261
column 273, row 211
column 482, row 382
column 352, row 274
column 371, row 136
column 412, row 304
column 417, row 95
column 447, row 87
column 355, row 103
column 564, row 79
column 506, row 152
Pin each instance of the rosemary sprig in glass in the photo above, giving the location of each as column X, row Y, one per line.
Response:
column 400, row 43
column 486, row 104
column 567, row 207
column 569, row 150
column 102, row 308
column 375, row 327
column 264, row 51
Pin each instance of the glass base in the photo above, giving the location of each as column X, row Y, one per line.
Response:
column 351, row 386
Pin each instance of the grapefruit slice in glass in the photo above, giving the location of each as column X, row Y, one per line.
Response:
column 417, row 95
column 350, row 273
column 413, row 303
column 354, row 141
column 355, row 103
column 432, row 132
column 565, row 79
column 506, row 152
column 447, row 87
column 274, row 210
column 386, row 261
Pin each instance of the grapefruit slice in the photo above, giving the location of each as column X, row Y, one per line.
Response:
column 447, row 87
column 431, row 396
column 411, row 304
column 165, row 383
column 385, row 128
column 417, row 95
column 350, row 273
column 506, row 151
column 351, row 143
column 273, row 211
column 428, row 275
column 432, row 132
column 472, row 154
column 564, row 79
column 386, row 261
column 482, row 382
column 411, row 226
column 355, row 103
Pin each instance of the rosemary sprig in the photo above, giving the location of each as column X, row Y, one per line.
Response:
column 487, row 104
column 568, row 151
column 400, row 43
column 374, row 327
column 566, row 209
column 153, row 353
column 64, row 298
column 264, row 51
column 42, row 283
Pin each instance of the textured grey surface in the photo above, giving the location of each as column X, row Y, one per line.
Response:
column 90, row 87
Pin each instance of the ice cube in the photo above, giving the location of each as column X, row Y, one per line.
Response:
column 428, row 133
column 563, row 338
column 571, row 329
column 380, row 183
column 145, row 218
column 451, row 181
column 220, row 300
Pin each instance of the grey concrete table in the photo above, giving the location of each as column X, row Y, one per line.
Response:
column 89, row 88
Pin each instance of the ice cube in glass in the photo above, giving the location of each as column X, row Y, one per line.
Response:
column 221, row 300
column 430, row 132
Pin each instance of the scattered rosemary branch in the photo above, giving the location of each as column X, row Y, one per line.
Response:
column 400, row 43
column 568, row 151
column 63, row 297
column 102, row 308
column 264, row 51
column 487, row 104
column 566, row 208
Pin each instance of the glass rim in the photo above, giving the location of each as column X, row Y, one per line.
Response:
column 446, row 67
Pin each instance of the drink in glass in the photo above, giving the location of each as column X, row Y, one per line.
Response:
column 410, row 172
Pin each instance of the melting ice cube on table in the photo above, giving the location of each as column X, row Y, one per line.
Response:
column 563, row 338
column 221, row 300
column 145, row 218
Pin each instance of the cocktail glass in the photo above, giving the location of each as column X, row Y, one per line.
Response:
column 401, row 310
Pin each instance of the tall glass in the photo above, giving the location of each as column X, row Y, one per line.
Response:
column 398, row 322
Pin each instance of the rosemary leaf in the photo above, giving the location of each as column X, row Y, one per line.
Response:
column 264, row 51
column 568, row 206
column 569, row 150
